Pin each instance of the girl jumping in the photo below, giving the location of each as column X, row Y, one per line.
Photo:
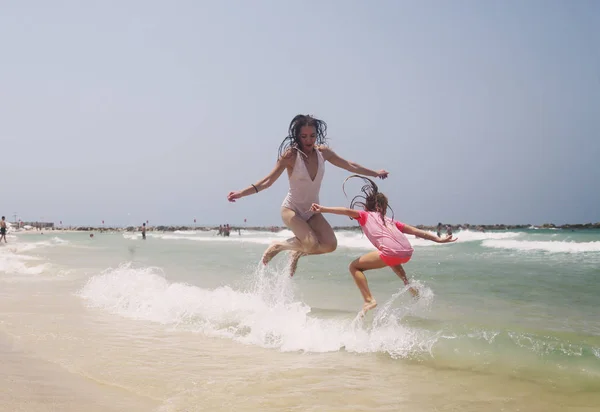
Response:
column 387, row 235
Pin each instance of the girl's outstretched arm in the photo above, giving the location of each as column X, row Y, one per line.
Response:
column 263, row 183
column 352, row 167
column 335, row 210
column 409, row 230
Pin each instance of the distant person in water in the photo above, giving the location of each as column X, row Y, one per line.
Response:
column 143, row 230
column 439, row 229
column 3, row 229
column 449, row 230
column 387, row 235
column 303, row 154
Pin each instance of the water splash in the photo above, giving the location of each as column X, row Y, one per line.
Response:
column 265, row 313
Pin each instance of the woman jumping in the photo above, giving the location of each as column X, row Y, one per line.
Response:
column 303, row 154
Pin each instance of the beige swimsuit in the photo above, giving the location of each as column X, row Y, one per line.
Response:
column 303, row 190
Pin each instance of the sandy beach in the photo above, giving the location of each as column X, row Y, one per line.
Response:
column 29, row 384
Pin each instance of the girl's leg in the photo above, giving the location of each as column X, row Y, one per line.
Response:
column 399, row 270
column 357, row 267
column 305, row 239
column 326, row 240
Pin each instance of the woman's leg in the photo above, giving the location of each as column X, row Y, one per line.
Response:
column 326, row 240
column 305, row 239
column 294, row 257
column 357, row 267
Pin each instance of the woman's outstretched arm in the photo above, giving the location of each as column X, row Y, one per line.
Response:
column 352, row 167
column 263, row 183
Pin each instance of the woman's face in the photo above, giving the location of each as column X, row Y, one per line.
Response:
column 307, row 137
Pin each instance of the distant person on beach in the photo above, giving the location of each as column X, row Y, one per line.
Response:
column 143, row 230
column 303, row 154
column 387, row 235
column 3, row 229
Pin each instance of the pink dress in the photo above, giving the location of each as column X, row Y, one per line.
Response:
column 393, row 245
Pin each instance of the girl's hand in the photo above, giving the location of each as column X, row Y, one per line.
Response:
column 315, row 208
column 382, row 174
column 232, row 196
column 447, row 239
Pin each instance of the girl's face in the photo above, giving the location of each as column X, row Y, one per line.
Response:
column 307, row 138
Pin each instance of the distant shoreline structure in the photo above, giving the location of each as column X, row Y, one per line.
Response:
column 35, row 226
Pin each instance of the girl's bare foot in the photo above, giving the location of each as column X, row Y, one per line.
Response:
column 414, row 292
column 270, row 253
column 368, row 306
column 294, row 262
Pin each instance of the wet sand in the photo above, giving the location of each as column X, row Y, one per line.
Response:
column 31, row 384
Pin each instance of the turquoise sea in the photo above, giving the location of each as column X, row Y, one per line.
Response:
column 187, row 321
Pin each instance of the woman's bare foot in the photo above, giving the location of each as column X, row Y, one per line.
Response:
column 368, row 306
column 295, row 256
column 270, row 253
column 414, row 292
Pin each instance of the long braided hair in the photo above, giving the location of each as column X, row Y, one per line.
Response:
column 371, row 199
column 293, row 138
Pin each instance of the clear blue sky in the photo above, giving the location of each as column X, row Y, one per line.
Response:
column 483, row 112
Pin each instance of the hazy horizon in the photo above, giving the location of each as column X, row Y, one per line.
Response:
column 129, row 111
column 349, row 224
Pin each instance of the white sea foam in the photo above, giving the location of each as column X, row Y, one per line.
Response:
column 264, row 238
column 132, row 236
column 20, row 246
column 267, row 314
column 19, row 267
column 544, row 246
column 359, row 240
column 474, row 236
column 25, row 247
column 12, row 263
column 356, row 239
column 346, row 238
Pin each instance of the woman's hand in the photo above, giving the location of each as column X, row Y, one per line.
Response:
column 382, row 174
column 232, row 196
